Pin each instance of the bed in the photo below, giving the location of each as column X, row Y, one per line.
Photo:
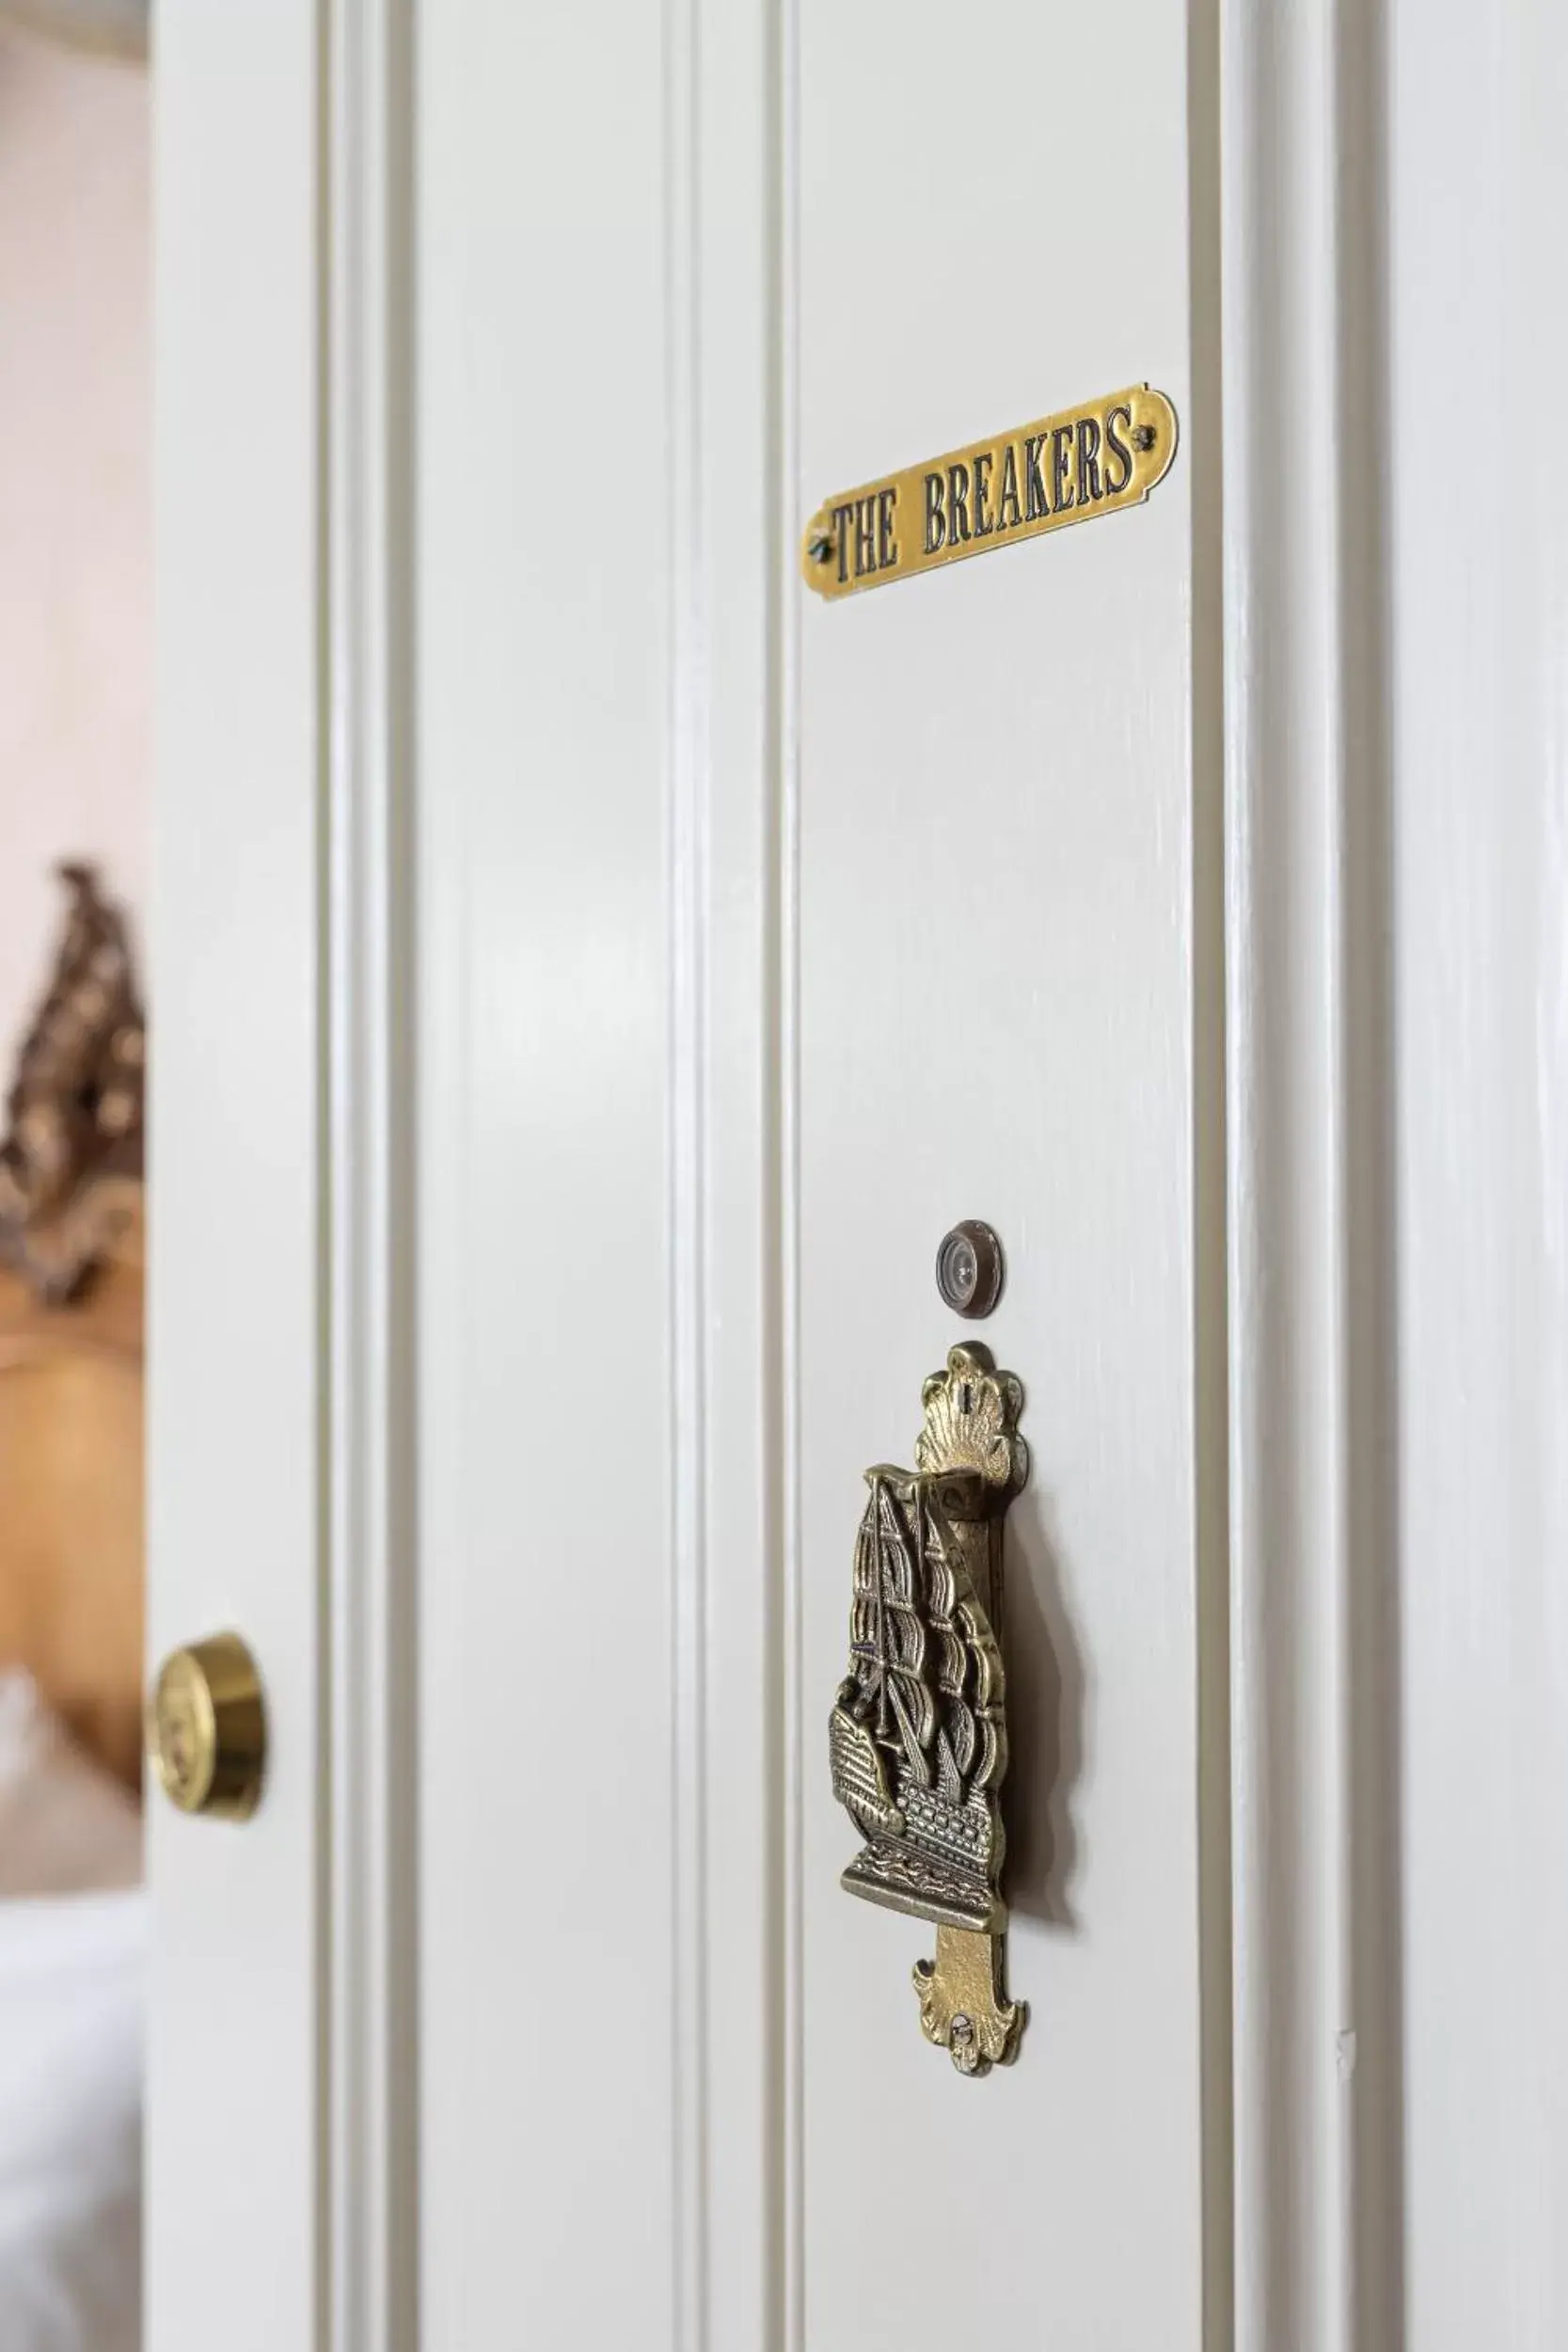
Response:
column 72, row 1919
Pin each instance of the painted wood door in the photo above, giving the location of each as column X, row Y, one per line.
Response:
column 589, row 974
column 764, row 939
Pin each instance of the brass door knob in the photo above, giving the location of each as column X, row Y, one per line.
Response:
column 206, row 1729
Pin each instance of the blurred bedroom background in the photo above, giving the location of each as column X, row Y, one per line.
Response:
column 75, row 702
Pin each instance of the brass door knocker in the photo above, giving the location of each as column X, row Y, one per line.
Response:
column 918, row 1735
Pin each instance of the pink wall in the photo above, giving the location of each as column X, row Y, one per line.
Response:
column 75, row 463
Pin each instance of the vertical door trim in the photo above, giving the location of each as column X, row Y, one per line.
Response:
column 730, row 324
column 688, row 791
column 370, row 2070
column 1313, row 1638
column 1210, row 1427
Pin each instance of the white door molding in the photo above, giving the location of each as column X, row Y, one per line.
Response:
column 1314, row 1646
column 372, row 2204
column 733, row 781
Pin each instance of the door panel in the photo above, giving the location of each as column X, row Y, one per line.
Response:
column 762, row 940
column 549, row 1835
column 997, row 970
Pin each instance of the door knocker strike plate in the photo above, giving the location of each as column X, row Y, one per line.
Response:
column 918, row 1735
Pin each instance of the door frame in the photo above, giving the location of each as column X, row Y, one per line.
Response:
column 1318, row 2198
column 282, row 1346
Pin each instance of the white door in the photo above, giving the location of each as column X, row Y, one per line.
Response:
column 766, row 939
column 593, row 971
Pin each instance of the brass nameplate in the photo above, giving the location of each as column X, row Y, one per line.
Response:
column 1061, row 469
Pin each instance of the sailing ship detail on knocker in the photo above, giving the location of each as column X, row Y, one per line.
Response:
column 918, row 1735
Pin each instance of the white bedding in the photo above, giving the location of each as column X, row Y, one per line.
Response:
column 66, row 1827
column 71, row 1965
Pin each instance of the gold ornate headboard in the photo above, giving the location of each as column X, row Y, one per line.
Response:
column 71, row 1520
column 72, row 1565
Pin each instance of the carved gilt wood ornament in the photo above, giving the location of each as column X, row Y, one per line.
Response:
column 70, row 1160
column 918, row 1733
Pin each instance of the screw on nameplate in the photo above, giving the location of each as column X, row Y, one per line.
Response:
column 1067, row 468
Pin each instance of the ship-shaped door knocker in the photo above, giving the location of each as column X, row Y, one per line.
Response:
column 918, row 1735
